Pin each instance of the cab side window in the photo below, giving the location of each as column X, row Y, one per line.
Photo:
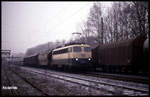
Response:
column 87, row 49
column 77, row 49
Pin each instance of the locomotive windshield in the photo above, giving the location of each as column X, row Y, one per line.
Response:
column 77, row 49
column 87, row 49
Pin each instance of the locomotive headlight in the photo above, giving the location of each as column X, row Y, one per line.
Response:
column 76, row 59
column 89, row 59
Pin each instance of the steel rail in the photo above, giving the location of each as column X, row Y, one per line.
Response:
column 34, row 86
column 71, row 81
column 119, row 77
column 91, row 81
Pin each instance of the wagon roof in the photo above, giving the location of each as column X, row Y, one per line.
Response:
column 122, row 43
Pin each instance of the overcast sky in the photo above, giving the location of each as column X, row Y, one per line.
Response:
column 27, row 24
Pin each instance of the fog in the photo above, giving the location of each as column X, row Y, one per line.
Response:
column 27, row 24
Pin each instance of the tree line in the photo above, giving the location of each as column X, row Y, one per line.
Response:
column 123, row 20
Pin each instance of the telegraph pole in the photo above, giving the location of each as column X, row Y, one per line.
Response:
column 48, row 46
column 102, row 30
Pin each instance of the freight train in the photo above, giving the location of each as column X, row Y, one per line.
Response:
column 128, row 56
column 74, row 56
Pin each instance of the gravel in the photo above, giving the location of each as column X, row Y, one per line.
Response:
column 22, row 88
column 52, row 86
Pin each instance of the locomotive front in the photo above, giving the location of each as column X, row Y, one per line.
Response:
column 72, row 56
column 80, row 56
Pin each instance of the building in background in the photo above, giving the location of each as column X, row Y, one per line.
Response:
column 5, row 55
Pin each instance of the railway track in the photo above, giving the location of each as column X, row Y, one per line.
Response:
column 8, row 82
column 28, row 82
column 95, row 84
column 128, row 78
column 70, row 79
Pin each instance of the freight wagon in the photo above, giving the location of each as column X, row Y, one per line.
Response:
column 124, row 56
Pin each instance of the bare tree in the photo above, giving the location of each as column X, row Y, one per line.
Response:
column 141, row 13
column 93, row 25
column 126, row 20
